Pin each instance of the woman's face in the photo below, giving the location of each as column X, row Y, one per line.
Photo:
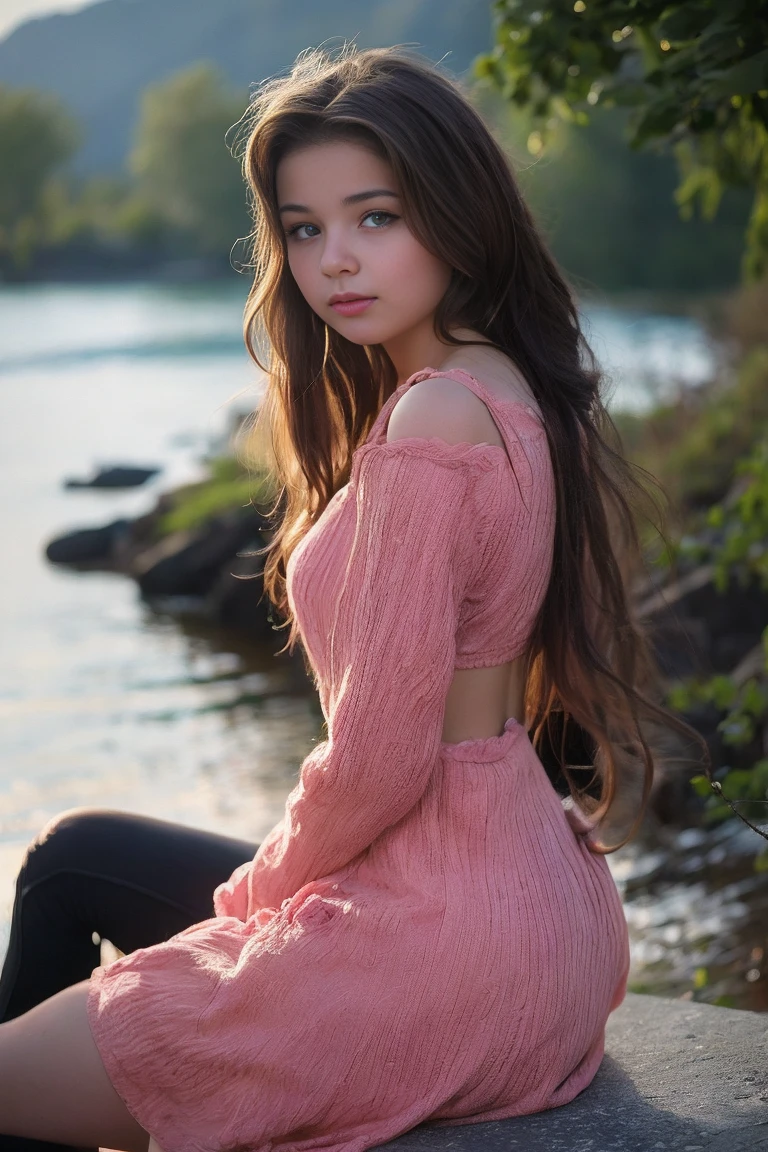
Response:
column 340, row 208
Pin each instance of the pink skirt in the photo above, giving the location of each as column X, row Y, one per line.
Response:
column 462, row 969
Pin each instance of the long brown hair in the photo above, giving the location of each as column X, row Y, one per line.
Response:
column 589, row 661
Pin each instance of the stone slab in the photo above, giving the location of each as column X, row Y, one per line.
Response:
column 676, row 1077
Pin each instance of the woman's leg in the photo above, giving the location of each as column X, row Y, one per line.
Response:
column 131, row 879
column 53, row 1085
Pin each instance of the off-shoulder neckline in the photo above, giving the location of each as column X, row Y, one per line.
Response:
column 486, row 392
column 457, row 452
column 454, row 452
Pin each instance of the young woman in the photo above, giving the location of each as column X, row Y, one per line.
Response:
column 429, row 933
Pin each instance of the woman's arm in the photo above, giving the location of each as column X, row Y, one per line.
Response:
column 392, row 654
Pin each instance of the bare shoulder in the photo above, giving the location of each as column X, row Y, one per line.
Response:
column 441, row 407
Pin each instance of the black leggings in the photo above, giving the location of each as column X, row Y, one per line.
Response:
column 95, row 873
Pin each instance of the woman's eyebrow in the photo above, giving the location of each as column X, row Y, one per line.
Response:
column 355, row 198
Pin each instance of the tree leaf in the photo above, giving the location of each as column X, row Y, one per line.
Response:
column 747, row 76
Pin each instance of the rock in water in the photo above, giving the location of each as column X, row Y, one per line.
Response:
column 118, row 476
column 87, row 545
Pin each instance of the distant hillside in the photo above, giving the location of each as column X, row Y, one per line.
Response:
column 99, row 59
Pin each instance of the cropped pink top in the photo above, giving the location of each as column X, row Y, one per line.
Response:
column 494, row 525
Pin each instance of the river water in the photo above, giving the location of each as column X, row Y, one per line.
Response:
column 104, row 702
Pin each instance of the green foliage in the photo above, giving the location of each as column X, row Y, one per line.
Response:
column 740, row 525
column 694, row 74
column 739, row 550
column 37, row 136
column 730, row 424
column 608, row 213
column 744, row 704
column 228, row 488
column 105, row 210
column 744, row 524
column 745, row 712
column 693, row 444
column 41, row 206
column 185, row 170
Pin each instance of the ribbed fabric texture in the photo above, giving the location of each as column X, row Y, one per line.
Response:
column 425, row 934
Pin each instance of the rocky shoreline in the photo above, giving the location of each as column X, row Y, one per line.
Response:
column 212, row 572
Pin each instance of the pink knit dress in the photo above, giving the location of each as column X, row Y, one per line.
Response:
column 425, row 934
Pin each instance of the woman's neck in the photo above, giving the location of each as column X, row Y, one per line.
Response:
column 421, row 348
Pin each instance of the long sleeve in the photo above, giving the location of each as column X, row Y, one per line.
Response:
column 392, row 653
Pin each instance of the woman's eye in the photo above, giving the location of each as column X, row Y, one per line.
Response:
column 297, row 228
column 380, row 219
column 387, row 217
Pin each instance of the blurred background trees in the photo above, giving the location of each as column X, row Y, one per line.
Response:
column 153, row 179
column 37, row 136
column 180, row 194
column 693, row 73
column 183, row 169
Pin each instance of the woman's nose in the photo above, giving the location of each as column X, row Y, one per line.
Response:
column 338, row 257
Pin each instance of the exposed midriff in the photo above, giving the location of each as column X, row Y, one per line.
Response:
column 480, row 700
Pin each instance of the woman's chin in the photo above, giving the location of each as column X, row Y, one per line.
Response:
column 357, row 332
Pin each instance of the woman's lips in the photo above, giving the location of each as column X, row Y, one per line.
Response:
column 352, row 307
